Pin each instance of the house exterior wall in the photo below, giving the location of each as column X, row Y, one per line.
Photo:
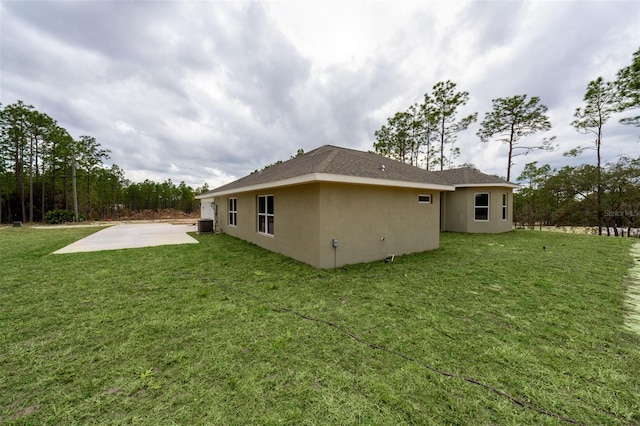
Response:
column 295, row 221
column 459, row 215
column 369, row 222
column 454, row 211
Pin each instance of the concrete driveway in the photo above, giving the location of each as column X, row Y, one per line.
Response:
column 132, row 236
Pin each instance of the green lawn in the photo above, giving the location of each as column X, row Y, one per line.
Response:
column 488, row 329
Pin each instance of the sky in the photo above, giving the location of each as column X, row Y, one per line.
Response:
column 209, row 91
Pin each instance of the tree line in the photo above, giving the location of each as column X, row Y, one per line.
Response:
column 569, row 196
column 44, row 169
column 425, row 135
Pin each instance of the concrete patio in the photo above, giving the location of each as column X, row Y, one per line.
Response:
column 125, row 236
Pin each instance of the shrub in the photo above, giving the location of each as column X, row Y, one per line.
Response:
column 59, row 216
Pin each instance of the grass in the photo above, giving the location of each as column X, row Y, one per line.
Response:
column 214, row 333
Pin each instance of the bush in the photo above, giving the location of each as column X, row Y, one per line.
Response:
column 59, row 216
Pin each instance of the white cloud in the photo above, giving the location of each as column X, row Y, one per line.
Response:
column 209, row 91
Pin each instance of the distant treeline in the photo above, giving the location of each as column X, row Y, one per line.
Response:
column 38, row 163
column 599, row 195
column 569, row 196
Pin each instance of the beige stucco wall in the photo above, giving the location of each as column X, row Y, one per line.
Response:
column 454, row 211
column 459, row 215
column 369, row 222
column 295, row 221
column 372, row 223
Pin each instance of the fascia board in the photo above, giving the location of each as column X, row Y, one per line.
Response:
column 324, row 177
column 204, row 196
column 327, row 177
column 485, row 185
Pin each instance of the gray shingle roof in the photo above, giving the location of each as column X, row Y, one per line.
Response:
column 470, row 176
column 333, row 160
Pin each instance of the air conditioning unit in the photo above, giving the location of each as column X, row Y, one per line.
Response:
column 205, row 226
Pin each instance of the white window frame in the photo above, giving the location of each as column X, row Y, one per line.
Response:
column 505, row 203
column 233, row 211
column 427, row 196
column 476, row 206
column 266, row 215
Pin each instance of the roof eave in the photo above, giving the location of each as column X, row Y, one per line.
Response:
column 495, row 184
column 328, row 177
column 204, row 196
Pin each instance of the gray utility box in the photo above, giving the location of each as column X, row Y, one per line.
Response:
column 205, row 226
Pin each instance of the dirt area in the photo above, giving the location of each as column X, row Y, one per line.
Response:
column 586, row 230
column 164, row 214
column 145, row 216
column 568, row 229
column 116, row 222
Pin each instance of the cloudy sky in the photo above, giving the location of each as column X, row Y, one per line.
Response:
column 209, row 91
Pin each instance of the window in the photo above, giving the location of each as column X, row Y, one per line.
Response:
column 233, row 212
column 504, row 206
column 265, row 214
column 424, row 199
column 481, row 207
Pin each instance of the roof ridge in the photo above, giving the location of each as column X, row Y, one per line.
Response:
column 325, row 163
column 338, row 161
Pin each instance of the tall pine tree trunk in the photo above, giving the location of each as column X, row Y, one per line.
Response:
column 599, row 183
column 42, row 206
column 31, row 179
column 89, row 193
column 510, row 159
column 54, row 199
column 20, row 182
column 66, row 187
column 442, row 146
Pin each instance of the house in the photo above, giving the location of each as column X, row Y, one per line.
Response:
column 335, row 206
column 480, row 203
